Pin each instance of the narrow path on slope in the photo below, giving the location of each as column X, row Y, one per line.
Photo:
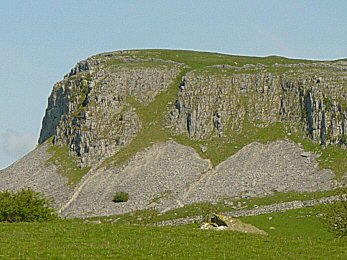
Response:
column 205, row 174
column 79, row 188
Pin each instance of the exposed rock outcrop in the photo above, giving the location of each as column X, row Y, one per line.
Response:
column 91, row 111
column 311, row 100
column 222, row 222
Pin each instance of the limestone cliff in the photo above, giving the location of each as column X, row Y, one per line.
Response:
column 309, row 98
column 92, row 111
column 129, row 120
column 89, row 110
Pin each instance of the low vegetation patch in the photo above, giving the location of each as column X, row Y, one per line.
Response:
column 335, row 216
column 66, row 163
column 332, row 157
column 221, row 148
column 120, row 197
column 25, row 205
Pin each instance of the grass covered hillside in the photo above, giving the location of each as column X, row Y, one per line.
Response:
column 138, row 148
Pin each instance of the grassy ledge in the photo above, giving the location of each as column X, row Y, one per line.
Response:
column 220, row 148
column 65, row 163
column 331, row 157
column 152, row 117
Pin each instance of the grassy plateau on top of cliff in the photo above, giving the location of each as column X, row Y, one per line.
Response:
column 196, row 59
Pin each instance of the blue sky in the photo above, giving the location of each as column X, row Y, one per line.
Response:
column 42, row 40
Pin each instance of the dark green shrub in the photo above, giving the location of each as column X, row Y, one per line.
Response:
column 120, row 197
column 25, row 205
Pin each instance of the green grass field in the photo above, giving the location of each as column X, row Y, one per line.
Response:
column 296, row 234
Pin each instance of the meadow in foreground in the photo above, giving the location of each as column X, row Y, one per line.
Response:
column 295, row 234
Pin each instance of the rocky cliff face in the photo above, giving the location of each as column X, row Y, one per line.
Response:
column 308, row 98
column 91, row 110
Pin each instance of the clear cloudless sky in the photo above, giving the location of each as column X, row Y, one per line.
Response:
column 41, row 40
